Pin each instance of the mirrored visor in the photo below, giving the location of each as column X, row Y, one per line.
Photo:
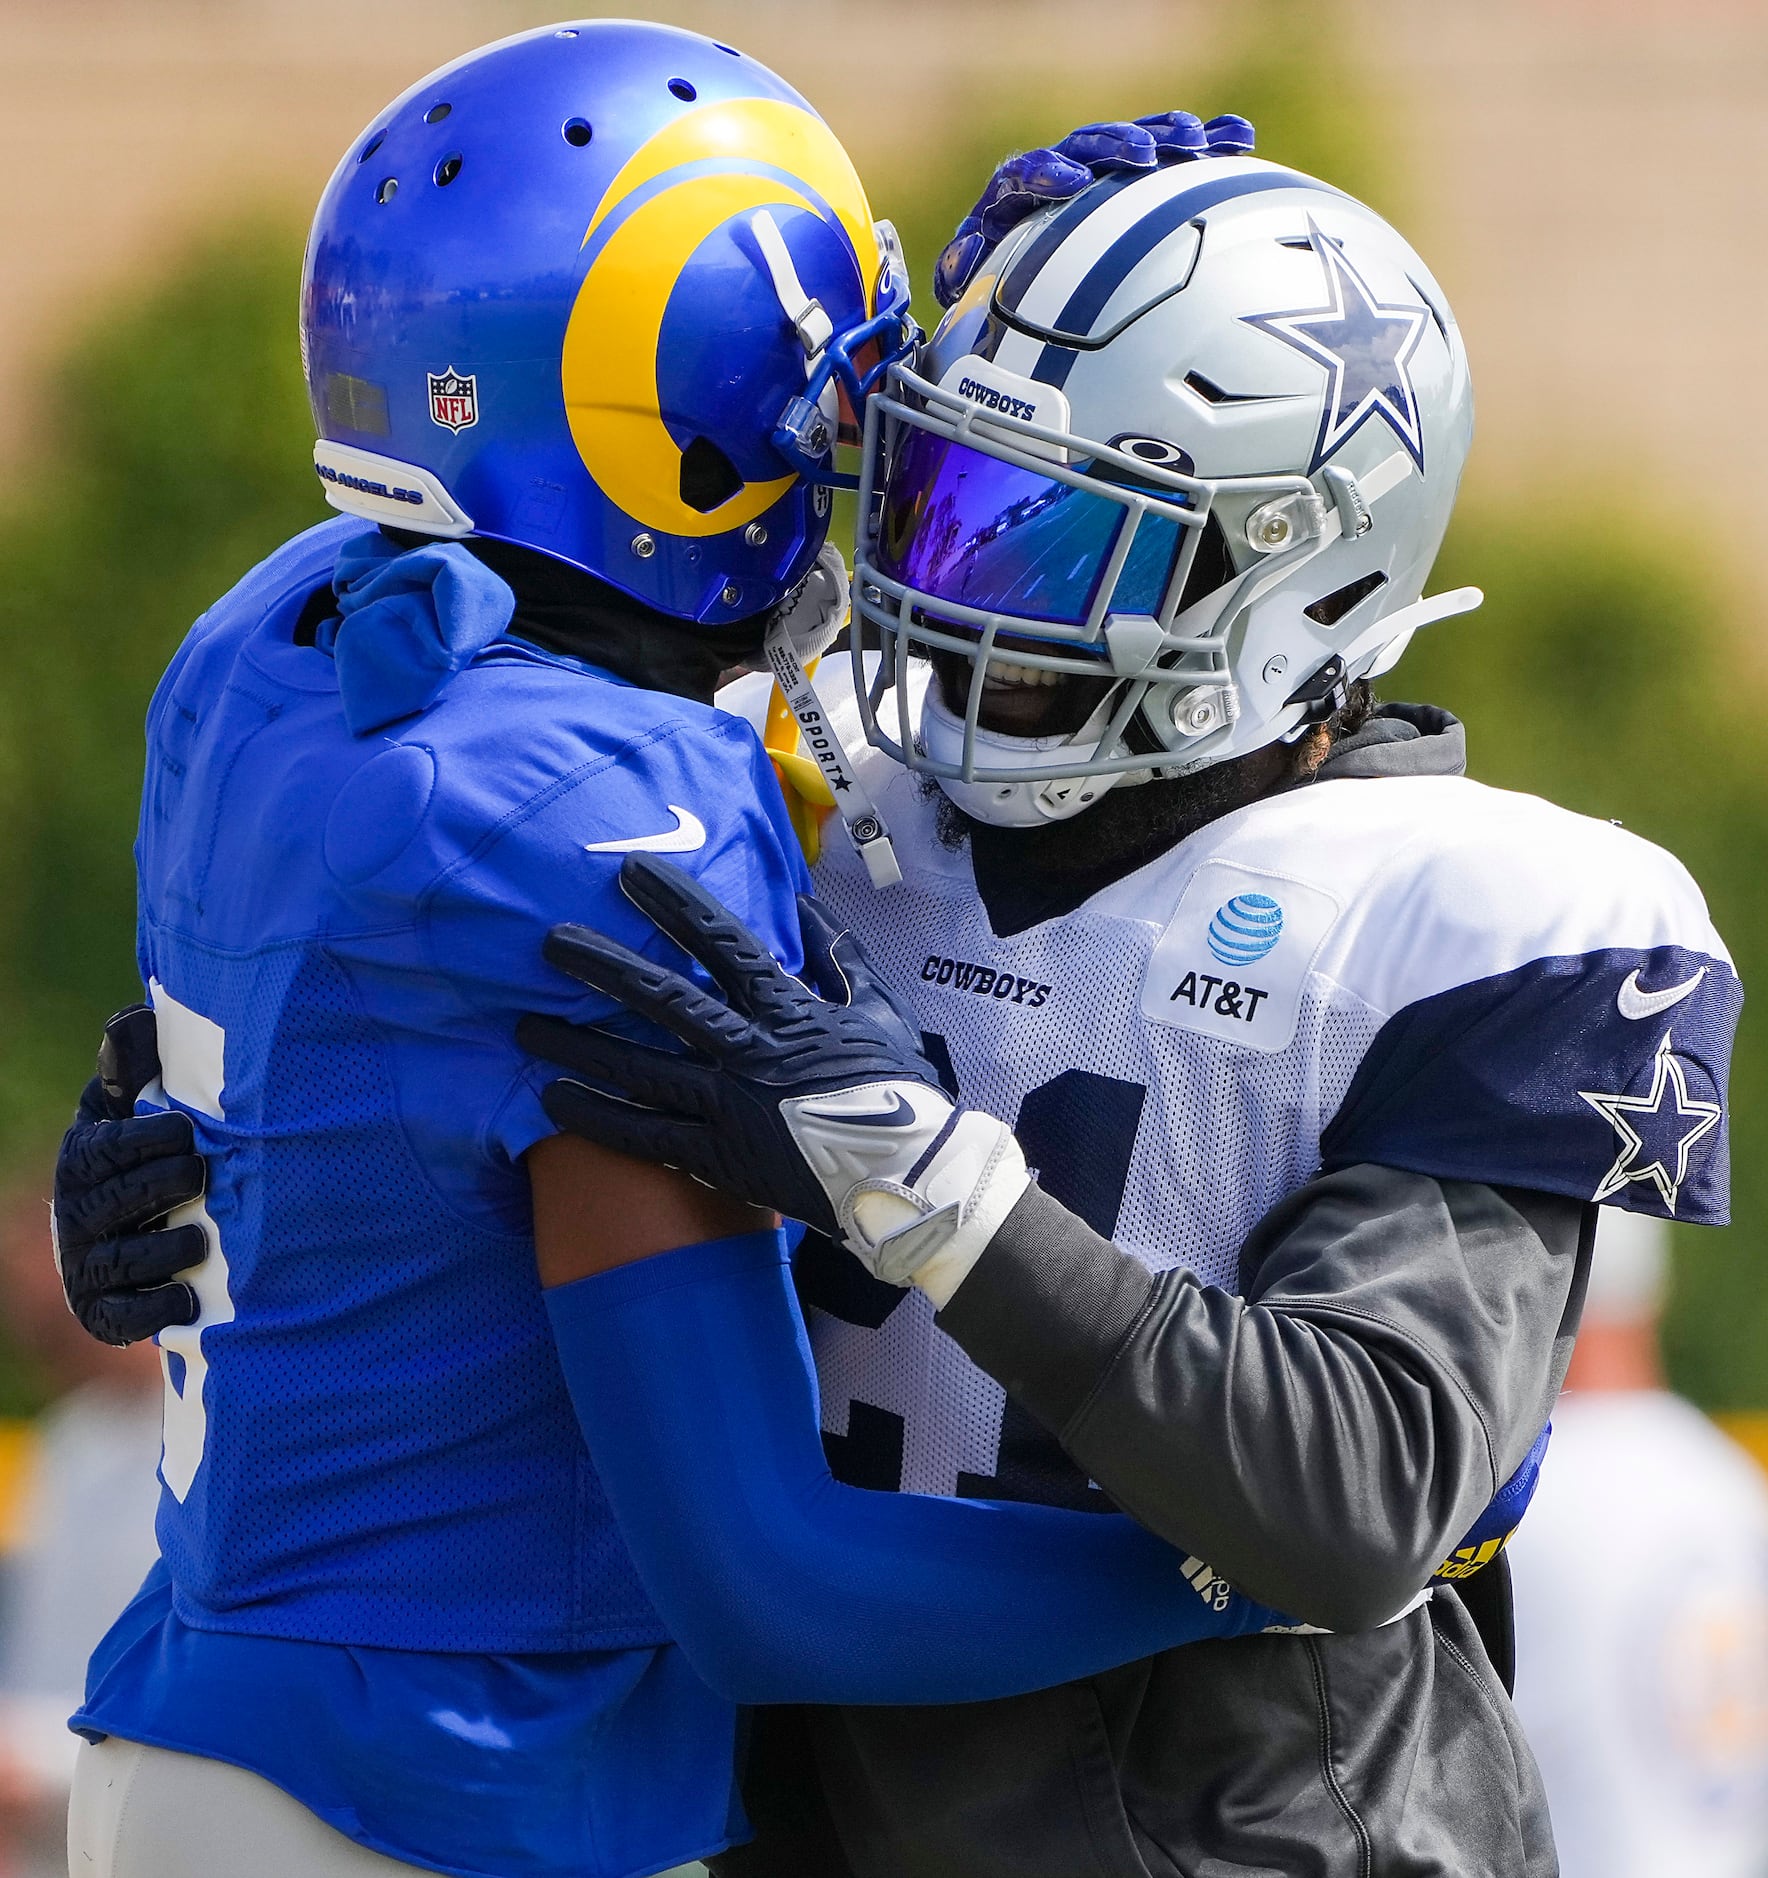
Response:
column 963, row 526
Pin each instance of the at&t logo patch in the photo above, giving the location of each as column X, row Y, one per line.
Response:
column 1234, row 958
column 454, row 399
column 1245, row 928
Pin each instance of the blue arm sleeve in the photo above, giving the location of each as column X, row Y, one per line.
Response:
column 691, row 1376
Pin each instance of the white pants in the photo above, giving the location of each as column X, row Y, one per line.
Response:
column 142, row 1812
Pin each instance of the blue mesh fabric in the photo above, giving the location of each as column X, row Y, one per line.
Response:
column 390, row 1456
column 387, row 1427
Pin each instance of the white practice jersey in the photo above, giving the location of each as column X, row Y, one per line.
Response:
column 1420, row 971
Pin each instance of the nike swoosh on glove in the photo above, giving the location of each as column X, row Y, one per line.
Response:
column 809, row 1096
column 116, row 1175
column 1035, row 179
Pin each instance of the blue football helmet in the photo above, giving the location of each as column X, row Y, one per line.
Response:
column 602, row 290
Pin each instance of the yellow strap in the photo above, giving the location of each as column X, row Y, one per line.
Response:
column 1749, row 1429
column 809, row 801
column 18, row 1453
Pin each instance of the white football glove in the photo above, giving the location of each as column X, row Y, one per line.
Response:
column 810, row 1096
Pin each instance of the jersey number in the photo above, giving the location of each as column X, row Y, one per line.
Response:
column 192, row 1049
column 1078, row 1133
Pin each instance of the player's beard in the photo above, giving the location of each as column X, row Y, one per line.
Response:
column 1129, row 826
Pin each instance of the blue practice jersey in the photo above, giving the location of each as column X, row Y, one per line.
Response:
column 368, row 1441
column 367, row 1427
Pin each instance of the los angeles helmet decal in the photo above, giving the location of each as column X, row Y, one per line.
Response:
column 672, row 370
column 607, row 308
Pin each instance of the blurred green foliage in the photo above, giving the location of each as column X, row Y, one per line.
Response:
column 1601, row 672
column 175, row 454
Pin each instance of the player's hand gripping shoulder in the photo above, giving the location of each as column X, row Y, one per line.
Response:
column 118, row 1173
column 1036, row 179
column 811, row 1096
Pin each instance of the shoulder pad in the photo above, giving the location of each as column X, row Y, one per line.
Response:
column 1560, row 1014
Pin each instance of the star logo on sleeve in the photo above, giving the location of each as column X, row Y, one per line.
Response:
column 1364, row 345
column 1658, row 1130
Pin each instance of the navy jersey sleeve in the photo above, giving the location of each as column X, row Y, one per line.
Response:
column 1561, row 1017
column 695, row 787
column 1599, row 1075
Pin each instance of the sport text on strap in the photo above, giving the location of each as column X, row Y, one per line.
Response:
column 853, row 802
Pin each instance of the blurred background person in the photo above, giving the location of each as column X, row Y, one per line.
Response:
column 81, row 1512
column 1641, row 1584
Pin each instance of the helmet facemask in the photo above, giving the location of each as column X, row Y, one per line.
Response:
column 1130, row 641
column 1014, row 530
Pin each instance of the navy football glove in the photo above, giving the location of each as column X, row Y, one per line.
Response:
column 809, row 1096
column 1034, row 179
column 118, row 1174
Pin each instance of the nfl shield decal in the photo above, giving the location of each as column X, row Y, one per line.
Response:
column 454, row 399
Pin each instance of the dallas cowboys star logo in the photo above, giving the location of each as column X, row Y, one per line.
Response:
column 1365, row 347
column 1676, row 1129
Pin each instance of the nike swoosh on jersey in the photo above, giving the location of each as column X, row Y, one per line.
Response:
column 688, row 834
column 1636, row 1004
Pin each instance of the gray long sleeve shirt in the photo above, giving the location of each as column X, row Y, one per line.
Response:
column 1323, row 1441
column 1326, row 1438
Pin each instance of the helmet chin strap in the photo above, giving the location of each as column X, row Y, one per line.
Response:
column 1062, row 798
column 1031, row 804
column 853, row 801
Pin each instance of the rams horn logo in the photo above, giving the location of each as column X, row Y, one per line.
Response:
column 710, row 169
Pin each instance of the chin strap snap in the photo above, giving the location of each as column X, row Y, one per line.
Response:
column 1326, row 691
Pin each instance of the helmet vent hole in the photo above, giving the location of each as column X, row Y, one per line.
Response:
column 566, row 32
column 578, row 132
column 680, row 88
column 1436, row 312
column 436, row 113
column 1212, row 393
column 1329, row 611
column 388, row 190
column 722, row 47
column 373, row 144
column 708, row 477
column 448, row 169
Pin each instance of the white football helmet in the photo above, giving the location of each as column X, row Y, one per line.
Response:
column 1179, row 461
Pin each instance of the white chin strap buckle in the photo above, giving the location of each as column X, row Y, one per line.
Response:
column 810, row 321
column 1066, row 796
